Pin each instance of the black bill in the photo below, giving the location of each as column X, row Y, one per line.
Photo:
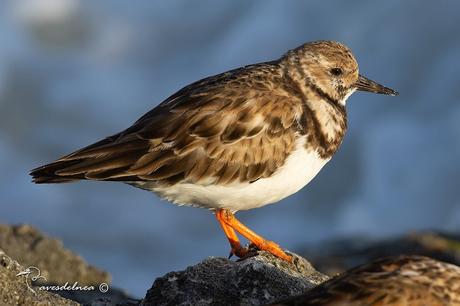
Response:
column 364, row 84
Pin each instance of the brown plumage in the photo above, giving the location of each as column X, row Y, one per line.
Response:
column 236, row 126
column 218, row 130
column 392, row 281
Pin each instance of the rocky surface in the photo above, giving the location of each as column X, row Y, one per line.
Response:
column 30, row 247
column 15, row 291
column 24, row 247
column 257, row 280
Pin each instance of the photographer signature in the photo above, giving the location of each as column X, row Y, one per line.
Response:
column 29, row 272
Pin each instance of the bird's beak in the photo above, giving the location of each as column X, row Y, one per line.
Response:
column 364, row 84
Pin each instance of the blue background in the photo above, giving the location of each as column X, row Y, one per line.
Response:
column 72, row 72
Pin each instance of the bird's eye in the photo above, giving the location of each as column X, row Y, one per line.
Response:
column 336, row 71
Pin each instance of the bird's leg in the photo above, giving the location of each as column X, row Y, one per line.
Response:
column 226, row 217
column 236, row 248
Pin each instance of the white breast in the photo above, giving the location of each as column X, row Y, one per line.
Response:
column 299, row 169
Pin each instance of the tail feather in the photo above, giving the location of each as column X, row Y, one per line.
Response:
column 47, row 173
column 107, row 159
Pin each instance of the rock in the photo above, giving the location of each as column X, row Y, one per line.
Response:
column 339, row 255
column 257, row 280
column 110, row 301
column 15, row 291
column 113, row 297
column 30, row 247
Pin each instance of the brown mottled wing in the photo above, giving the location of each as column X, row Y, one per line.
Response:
column 232, row 127
column 393, row 281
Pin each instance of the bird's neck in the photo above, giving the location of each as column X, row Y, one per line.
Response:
column 325, row 127
column 324, row 121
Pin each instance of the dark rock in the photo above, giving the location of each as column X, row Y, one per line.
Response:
column 15, row 291
column 113, row 302
column 257, row 280
column 113, row 297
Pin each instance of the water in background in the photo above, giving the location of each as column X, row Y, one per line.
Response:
column 73, row 72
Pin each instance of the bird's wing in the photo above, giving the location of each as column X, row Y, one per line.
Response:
column 236, row 126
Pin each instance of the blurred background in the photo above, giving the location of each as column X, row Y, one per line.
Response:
column 72, row 72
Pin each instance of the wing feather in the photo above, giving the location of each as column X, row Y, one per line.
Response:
column 221, row 130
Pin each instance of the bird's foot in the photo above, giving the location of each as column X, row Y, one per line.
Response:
column 239, row 251
column 272, row 248
column 230, row 224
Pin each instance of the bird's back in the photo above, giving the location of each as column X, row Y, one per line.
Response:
column 220, row 130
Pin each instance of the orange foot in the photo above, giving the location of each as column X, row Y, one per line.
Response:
column 230, row 224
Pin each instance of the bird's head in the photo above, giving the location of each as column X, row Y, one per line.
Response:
column 331, row 70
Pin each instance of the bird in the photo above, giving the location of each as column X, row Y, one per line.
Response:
column 392, row 281
column 234, row 141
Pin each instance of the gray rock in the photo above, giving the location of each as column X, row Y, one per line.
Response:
column 30, row 247
column 257, row 280
column 26, row 247
column 15, row 291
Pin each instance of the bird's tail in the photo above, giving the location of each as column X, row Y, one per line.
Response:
column 47, row 173
column 103, row 160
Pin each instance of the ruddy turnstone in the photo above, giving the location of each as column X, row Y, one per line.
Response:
column 238, row 140
column 391, row 281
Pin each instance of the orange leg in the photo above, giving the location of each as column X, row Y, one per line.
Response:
column 235, row 244
column 229, row 223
